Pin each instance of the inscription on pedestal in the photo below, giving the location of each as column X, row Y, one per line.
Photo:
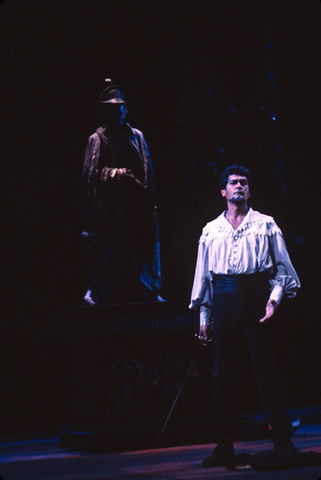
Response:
column 128, row 319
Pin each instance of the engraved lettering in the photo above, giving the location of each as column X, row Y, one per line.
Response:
column 171, row 320
column 143, row 322
column 186, row 319
column 164, row 321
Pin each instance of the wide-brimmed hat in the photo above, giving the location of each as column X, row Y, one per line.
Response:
column 111, row 94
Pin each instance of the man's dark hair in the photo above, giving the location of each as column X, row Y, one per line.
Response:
column 235, row 170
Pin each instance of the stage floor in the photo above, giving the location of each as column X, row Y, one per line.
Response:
column 44, row 459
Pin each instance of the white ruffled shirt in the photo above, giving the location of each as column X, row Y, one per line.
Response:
column 257, row 245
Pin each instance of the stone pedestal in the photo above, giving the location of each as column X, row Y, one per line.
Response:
column 125, row 365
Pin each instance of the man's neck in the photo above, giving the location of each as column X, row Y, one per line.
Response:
column 236, row 213
column 107, row 125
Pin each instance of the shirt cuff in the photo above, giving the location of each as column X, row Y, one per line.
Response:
column 277, row 294
column 205, row 315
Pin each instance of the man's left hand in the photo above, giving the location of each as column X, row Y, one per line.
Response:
column 269, row 310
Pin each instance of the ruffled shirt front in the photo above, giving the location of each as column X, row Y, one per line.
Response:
column 257, row 245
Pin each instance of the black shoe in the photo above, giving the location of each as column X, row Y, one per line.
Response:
column 285, row 447
column 219, row 457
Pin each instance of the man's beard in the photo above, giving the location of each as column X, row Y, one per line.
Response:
column 239, row 199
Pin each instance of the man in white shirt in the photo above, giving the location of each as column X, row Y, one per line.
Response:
column 243, row 269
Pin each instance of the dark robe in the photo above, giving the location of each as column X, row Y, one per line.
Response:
column 119, row 214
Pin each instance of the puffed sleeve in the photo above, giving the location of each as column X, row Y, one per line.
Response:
column 285, row 281
column 202, row 290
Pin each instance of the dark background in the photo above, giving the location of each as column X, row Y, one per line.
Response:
column 210, row 83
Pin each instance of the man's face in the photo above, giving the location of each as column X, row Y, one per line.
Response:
column 115, row 113
column 237, row 189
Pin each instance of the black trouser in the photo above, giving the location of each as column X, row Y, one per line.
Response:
column 237, row 309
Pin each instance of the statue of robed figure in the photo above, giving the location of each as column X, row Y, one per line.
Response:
column 119, row 210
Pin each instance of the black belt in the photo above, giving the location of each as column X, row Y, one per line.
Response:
column 244, row 283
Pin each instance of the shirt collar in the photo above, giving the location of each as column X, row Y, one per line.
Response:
column 225, row 223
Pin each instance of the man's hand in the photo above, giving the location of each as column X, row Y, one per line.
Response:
column 131, row 174
column 269, row 310
column 206, row 333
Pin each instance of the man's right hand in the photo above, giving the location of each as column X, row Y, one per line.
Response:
column 205, row 333
column 131, row 174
